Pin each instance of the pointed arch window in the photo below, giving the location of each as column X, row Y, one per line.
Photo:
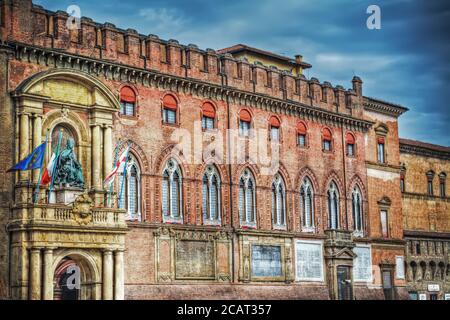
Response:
column 278, row 203
column 172, row 203
column 211, row 197
column 247, row 199
column 333, row 207
column 131, row 198
column 307, row 206
column 358, row 224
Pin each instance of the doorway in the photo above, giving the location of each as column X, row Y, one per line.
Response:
column 67, row 281
column 345, row 287
column 388, row 287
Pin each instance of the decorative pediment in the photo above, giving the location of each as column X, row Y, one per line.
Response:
column 345, row 253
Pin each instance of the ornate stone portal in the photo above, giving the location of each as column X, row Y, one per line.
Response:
column 75, row 231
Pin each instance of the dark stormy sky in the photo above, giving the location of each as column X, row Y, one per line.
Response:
column 406, row 62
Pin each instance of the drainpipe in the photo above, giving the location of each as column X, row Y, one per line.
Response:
column 345, row 175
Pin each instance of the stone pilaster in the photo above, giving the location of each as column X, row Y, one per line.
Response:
column 96, row 158
column 37, row 140
column 24, row 142
column 47, row 281
column 119, row 293
column 35, row 274
column 107, row 285
column 107, row 150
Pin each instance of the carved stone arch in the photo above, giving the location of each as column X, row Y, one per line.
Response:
column 333, row 176
column 223, row 174
column 356, row 180
column 139, row 154
column 99, row 93
column 286, row 177
column 62, row 117
column 165, row 155
column 240, row 169
column 307, row 172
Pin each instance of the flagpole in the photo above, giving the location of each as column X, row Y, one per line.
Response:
column 56, row 163
column 124, row 175
column 36, row 195
column 111, row 188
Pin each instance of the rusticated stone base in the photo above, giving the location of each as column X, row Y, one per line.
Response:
column 226, row 292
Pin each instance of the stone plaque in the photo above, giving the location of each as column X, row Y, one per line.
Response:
column 266, row 261
column 195, row 260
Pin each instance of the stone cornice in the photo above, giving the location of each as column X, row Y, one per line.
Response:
column 384, row 107
column 424, row 152
column 424, row 197
column 152, row 78
column 426, row 234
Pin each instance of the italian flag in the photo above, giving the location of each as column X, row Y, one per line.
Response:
column 47, row 175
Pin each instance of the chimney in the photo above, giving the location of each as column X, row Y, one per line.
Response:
column 298, row 59
column 357, row 85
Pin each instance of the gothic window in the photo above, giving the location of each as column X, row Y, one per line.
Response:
column 170, row 108
column 127, row 102
column 247, row 199
column 208, row 116
column 278, row 203
column 307, row 206
column 130, row 190
column 357, row 212
column 172, row 203
column 211, row 196
column 333, row 206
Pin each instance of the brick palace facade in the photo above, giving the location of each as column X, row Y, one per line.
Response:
column 246, row 180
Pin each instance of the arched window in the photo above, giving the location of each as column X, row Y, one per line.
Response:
column 327, row 139
column 301, row 134
column 430, row 178
column 208, row 116
column 130, row 189
column 307, row 206
column 357, row 212
column 172, row 200
column 127, row 102
column 245, row 120
column 275, row 129
column 278, row 203
column 247, row 199
column 442, row 179
column 350, row 140
column 170, row 107
column 211, row 197
column 333, row 206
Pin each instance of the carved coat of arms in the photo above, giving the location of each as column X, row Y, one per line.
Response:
column 82, row 209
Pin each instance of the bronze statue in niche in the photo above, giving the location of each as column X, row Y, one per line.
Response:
column 69, row 171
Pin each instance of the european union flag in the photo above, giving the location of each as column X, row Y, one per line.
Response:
column 34, row 161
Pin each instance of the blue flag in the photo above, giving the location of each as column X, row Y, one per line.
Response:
column 34, row 161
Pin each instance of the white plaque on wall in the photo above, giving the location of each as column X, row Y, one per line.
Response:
column 362, row 265
column 423, row 296
column 433, row 288
column 400, row 267
column 447, row 296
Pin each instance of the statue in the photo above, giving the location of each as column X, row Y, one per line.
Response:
column 69, row 171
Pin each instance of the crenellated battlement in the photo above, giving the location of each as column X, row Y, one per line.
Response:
column 24, row 22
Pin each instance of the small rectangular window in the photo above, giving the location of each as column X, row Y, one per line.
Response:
column 381, row 155
column 430, row 188
column 275, row 134
column 384, row 223
column 244, row 128
column 351, row 150
column 169, row 116
column 302, row 140
column 402, row 184
column 127, row 109
column 207, row 123
column 326, row 145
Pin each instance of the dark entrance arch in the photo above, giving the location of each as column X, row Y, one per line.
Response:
column 67, row 280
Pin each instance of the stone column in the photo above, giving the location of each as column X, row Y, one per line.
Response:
column 24, row 142
column 37, row 140
column 107, row 151
column 47, row 282
column 35, row 274
column 96, row 158
column 119, row 290
column 107, row 286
